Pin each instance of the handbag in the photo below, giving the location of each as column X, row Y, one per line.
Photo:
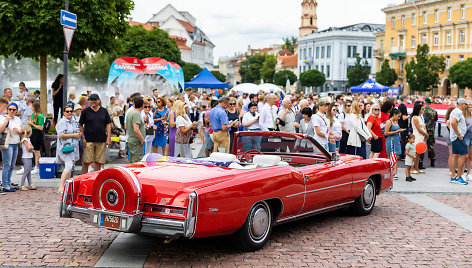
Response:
column 67, row 148
column 360, row 136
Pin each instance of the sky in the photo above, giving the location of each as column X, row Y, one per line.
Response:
column 233, row 25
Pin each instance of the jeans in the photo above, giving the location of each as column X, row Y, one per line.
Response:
column 9, row 158
column 332, row 147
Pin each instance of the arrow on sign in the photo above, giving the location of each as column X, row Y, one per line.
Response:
column 68, row 19
column 68, row 34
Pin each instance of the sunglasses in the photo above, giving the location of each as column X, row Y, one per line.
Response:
column 147, row 106
column 93, row 99
column 11, row 109
column 348, row 105
column 232, row 104
column 335, row 110
column 68, row 111
column 376, row 109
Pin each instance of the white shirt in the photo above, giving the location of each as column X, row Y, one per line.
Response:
column 268, row 116
column 25, row 153
column 13, row 123
column 182, row 122
column 127, row 112
column 260, row 106
column 344, row 118
column 320, row 120
column 461, row 125
column 248, row 117
column 149, row 115
column 336, row 128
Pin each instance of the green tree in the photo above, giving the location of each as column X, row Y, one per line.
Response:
column 97, row 67
column 359, row 74
column 461, row 74
column 250, row 69
column 422, row 72
column 268, row 68
column 218, row 75
column 280, row 78
column 312, row 78
column 190, row 70
column 31, row 29
column 141, row 43
column 290, row 43
column 387, row 76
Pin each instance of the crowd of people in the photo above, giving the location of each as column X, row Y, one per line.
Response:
column 369, row 126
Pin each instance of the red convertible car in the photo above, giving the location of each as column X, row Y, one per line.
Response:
column 270, row 178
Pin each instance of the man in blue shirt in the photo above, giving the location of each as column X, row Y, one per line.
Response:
column 220, row 125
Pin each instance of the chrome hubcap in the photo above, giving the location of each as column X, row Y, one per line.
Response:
column 112, row 197
column 368, row 194
column 260, row 222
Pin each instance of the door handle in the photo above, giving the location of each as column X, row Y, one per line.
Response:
column 308, row 176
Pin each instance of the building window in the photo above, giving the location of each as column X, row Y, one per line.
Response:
column 364, row 52
column 436, row 15
column 304, row 53
column 349, row 51
column 413, row 19
column 449, row 13
column 413, row 41
column 461, row 37
column 328, row 71
column 461, row 57
column 448, row 62
column 323, row 52
column 436, row 39
column 402, row 42
column 403, row 21
column 448, row 38
column 393, row 42
column 462, row 11
column 322, row 68
column 354, row 51
column 317, row 52
column 425, row 17
column 424, row 39
column 370, row 53
column 310, row 52
column 328, row 52
column 393, row 22
column 382, row 44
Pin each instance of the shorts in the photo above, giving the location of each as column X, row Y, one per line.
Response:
column 376, row 145
column 459, row 147
column 94, row 152
column 37, row 139
column 468, row 138
column 409, row 161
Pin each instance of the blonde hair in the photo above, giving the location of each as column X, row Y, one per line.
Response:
column 372, row 108
column 27, row 131
column 354, row 109
column 179, row 108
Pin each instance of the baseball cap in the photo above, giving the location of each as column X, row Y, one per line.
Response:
column 94, row 96
column 461, row 101
column 77, row 107
column 428, row 100
column 322, row 102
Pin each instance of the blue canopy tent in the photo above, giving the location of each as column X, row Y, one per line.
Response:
column 205, row 79
column 369, row 86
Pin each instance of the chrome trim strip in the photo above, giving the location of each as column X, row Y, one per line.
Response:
column 64, row 209
column 313, row 212
column 165, row 222
column 321, row 189
column 359, row 181
column 191, row 220
column 78, row 210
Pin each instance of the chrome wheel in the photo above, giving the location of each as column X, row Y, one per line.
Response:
column 368, row 195
column 365, row 203
column 259, row 222
column 255, row 232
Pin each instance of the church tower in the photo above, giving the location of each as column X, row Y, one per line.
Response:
column 309, row 19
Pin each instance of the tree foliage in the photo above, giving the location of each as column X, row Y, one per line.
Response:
column 218, row 75
column 31, row 28
column 280, row 78
column 461, row 74
column 97, row 67
column 422, row 72
column 250, row 69
column 387, row 76
column 359, row 74
column 268, row 68
column 190, row 70
column 290, row 43
column 141, row 43
column 312, row 78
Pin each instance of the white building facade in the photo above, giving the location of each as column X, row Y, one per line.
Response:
column 333, row 52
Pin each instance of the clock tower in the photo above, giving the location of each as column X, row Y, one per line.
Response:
column 309, row 19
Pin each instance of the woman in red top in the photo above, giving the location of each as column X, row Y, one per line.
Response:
column 373, row 124
column 386, row 110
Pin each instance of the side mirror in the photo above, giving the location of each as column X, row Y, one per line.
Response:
column 334, row 158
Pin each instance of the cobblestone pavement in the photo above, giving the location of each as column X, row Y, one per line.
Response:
column 462, row 202
column 34, row 235
column 397, row 234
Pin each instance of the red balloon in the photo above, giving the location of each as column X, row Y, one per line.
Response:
column 421, row 148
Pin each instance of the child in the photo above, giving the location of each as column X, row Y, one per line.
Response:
column 410, row 152
column 27, row 158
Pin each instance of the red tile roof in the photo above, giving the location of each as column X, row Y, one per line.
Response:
column 187, row 26
column 285, row 52
column 145, row 25
column 289, row 61
column 181, row 42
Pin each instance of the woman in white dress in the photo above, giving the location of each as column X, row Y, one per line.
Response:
column 184, row 130
column 419, row 131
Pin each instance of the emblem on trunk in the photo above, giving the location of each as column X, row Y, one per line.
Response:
column 112, row 197
column 213, row 210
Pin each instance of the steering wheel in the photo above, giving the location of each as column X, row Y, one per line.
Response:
column 246, row 156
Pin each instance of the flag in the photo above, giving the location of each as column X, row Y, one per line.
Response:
column 393, row 156
column 281, row 99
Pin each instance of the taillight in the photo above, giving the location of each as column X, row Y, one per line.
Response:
column 168, row 210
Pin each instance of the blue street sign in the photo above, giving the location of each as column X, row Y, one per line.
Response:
column 68, row 19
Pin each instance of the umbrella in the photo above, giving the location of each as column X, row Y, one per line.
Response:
column 246, row 88
column 270, row 88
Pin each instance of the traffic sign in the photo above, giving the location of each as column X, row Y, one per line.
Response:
column 68, row 19
column 68, row 34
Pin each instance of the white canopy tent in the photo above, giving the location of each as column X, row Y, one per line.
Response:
column 270, row 88
column 248, row 88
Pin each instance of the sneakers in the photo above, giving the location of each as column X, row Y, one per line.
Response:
column 395, row 177
column 468, row 178
column 35, row 171
column 20, row 171
column 453, row 180
column 461, row 181
column 410, row 179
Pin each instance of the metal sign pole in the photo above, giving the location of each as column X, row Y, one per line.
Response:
column 66, row 68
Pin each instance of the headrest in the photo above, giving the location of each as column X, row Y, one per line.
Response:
column 222, row 157
column 270, row 160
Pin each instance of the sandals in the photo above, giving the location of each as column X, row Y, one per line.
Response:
column 31, row 187
column 23, row 188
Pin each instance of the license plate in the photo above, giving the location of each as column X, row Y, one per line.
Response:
column 110, row 221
